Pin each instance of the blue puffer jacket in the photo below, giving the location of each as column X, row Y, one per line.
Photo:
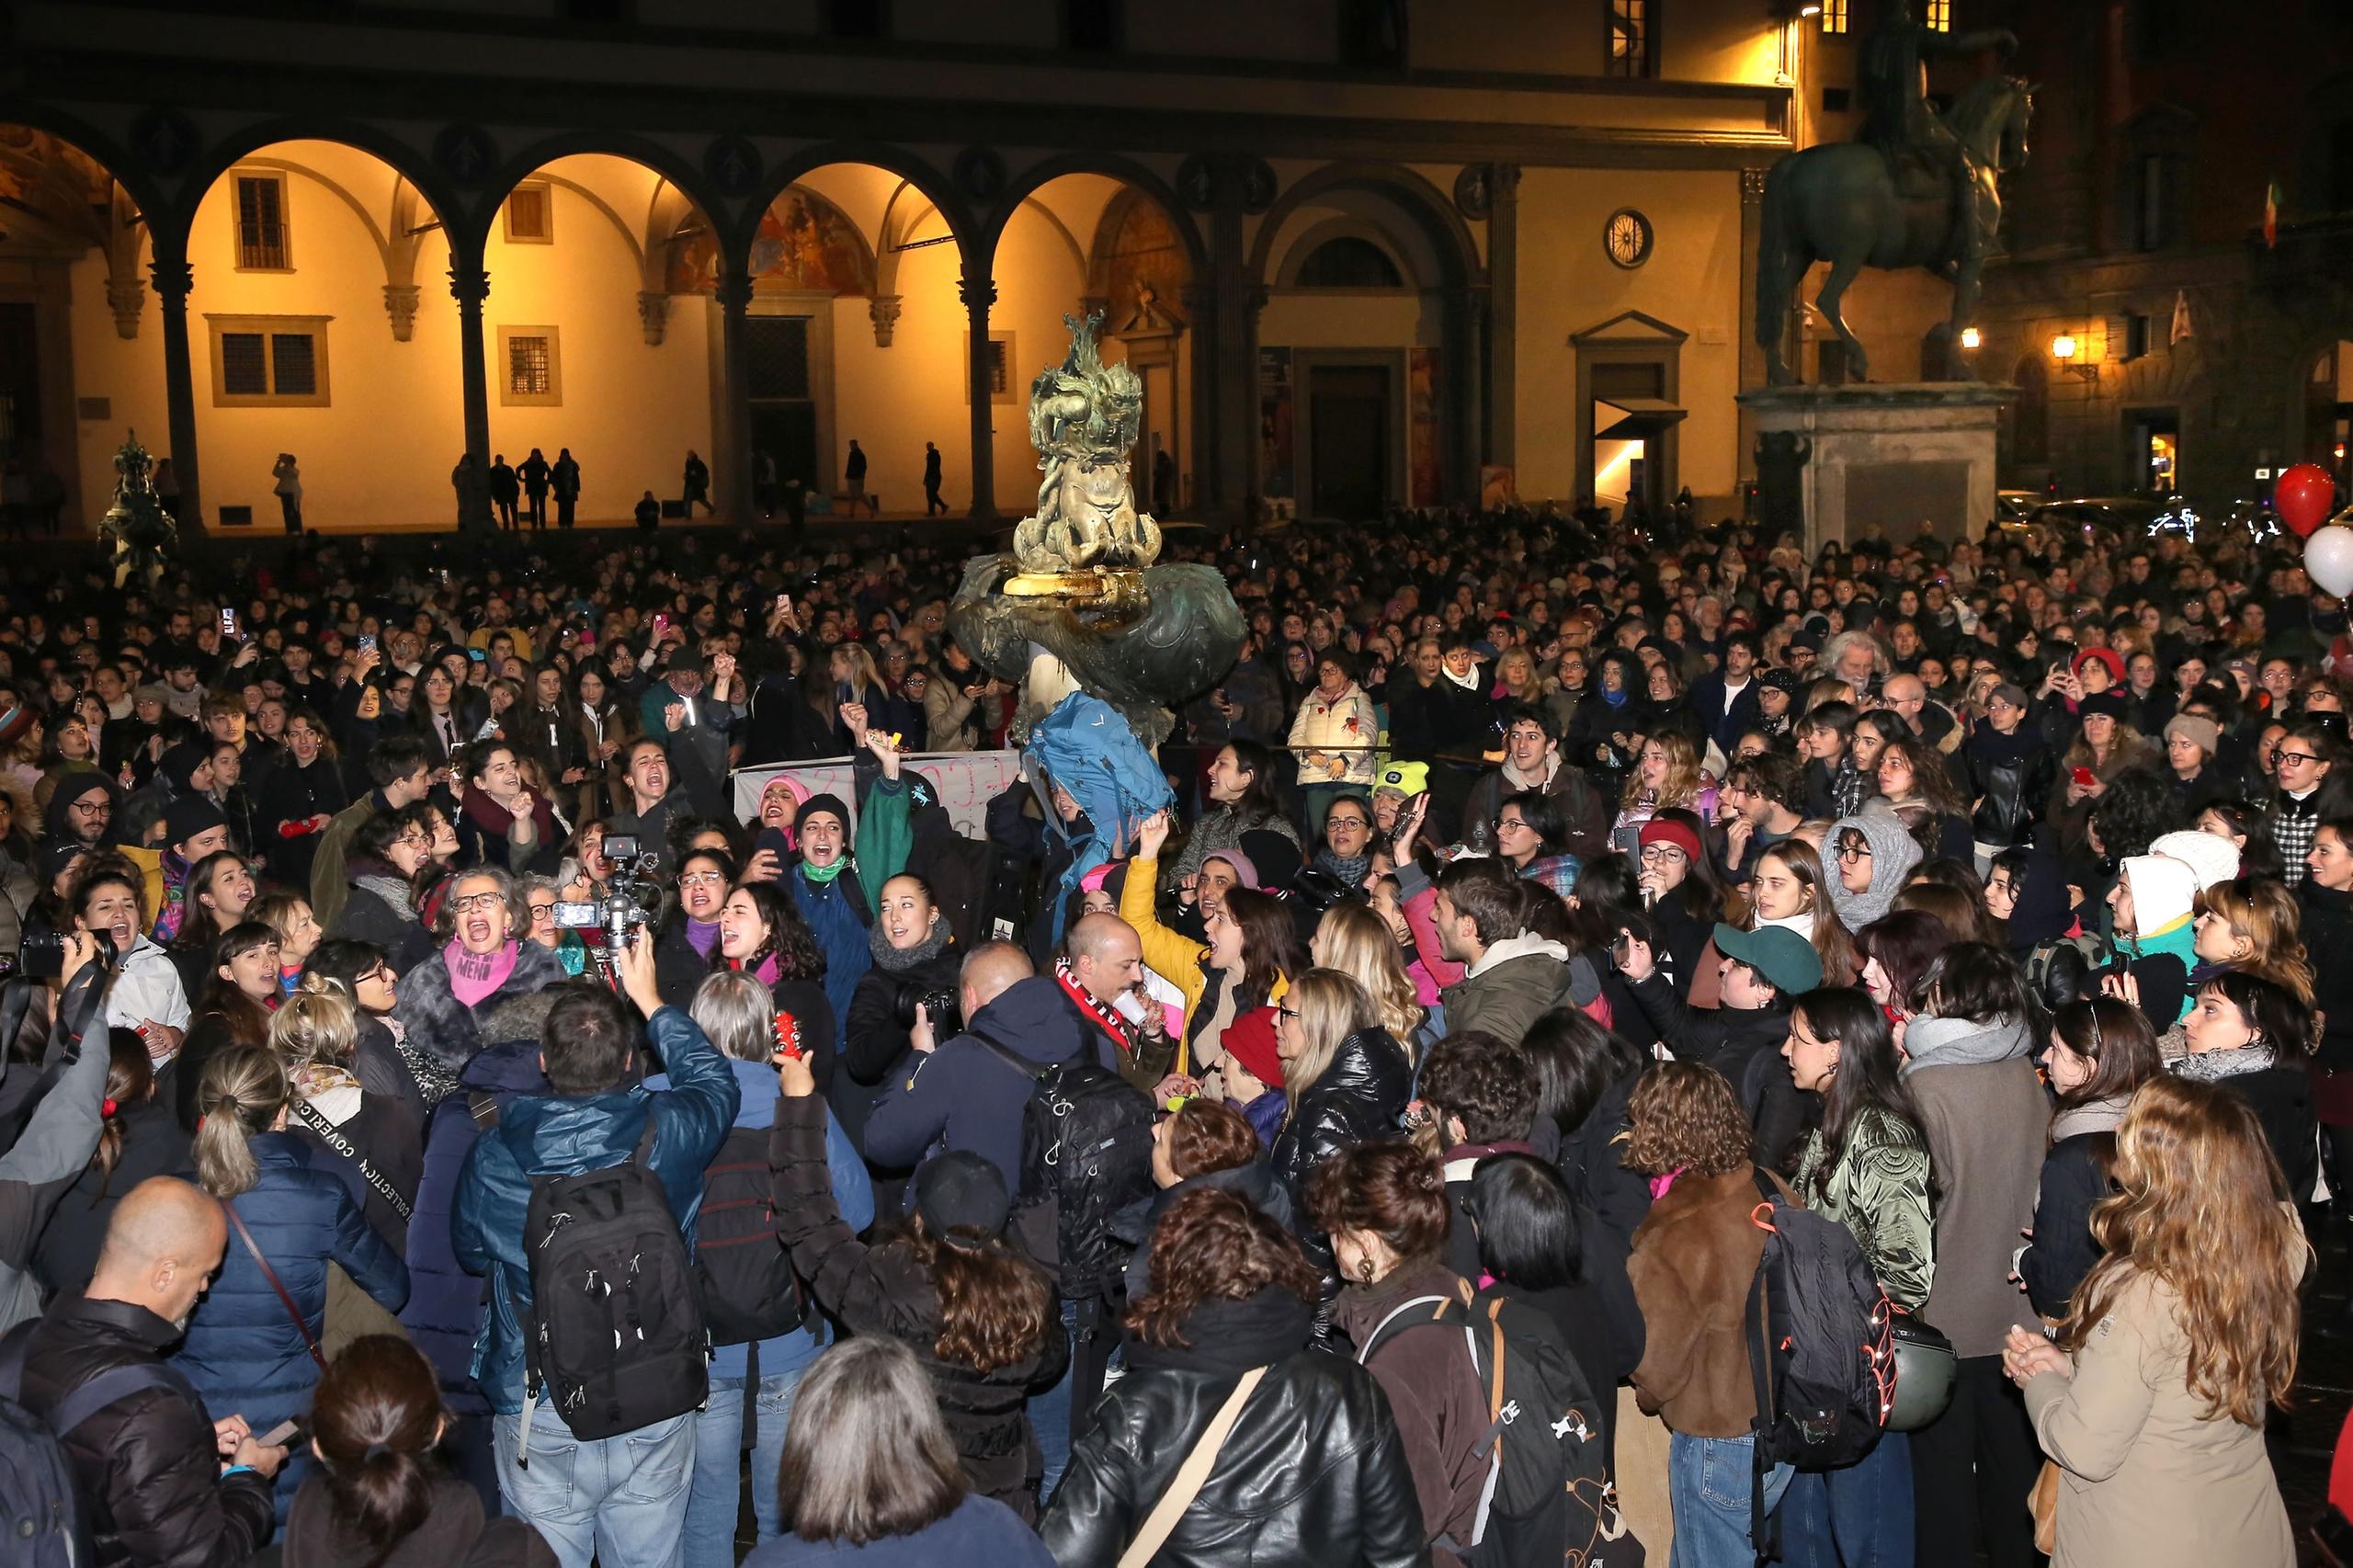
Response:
column 560, row 1135
column 242, row 1352
column 444, row 1312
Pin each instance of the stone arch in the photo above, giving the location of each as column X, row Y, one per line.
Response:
column 96, row 145
column 1415, row 199
column 663, row 160
column 1111, row 165
column 1297, row 254
column 972, row 239
column 241, row 145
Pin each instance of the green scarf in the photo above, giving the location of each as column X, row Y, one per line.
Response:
column 819, row 876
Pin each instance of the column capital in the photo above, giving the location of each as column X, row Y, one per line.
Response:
column 978, row 293
column 733, row 291
column 126, row 297
column 882, row 311
column 399, row 305
column 652, row 315
column 469, row 286
column 174, row 278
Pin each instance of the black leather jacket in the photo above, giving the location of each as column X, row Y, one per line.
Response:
column 146, row 1464
column 1313, row 1474
column 1360, row 1096
column 2012, row 776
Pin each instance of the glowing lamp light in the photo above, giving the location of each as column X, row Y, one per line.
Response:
column 2062, row 347
column 1969, row 337
column 1811, row 8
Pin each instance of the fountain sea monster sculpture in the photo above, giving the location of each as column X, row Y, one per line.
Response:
column 1081, row 602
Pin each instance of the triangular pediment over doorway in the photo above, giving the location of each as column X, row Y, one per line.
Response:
column 1629, row 326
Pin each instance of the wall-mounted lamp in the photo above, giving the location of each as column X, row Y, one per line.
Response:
column 1969, row 337
column 2065, row 348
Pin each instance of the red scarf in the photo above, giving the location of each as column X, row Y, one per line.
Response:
column 1102, row 1013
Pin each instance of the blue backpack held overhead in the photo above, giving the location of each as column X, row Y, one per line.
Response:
column 1085, row 747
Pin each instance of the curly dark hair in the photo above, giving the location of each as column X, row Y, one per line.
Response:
column 1205, row 1136
column 1215, row 1245
column 2139, row 806
column 798, row 957
column 1395, row 1190
column 1486, row 1081
column 1687, row 1118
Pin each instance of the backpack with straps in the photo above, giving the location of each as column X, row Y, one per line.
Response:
column 1086, row 1154
column 615, row 1334
column 1821, row 1346
column 40, row 1509
column 1548, row 1501
column 749, row 1290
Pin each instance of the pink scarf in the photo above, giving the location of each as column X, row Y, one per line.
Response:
column 473, row 978
column 1659, row 1184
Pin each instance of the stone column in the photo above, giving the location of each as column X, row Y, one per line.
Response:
column 1241, row 407
column 734, row 464
column 979, row 294
column 1501, row 432
column 1239, row 298
column 1752, row 353
column 174, row 278
column 1463, row 383
column 469, row 286
column 1201, row 330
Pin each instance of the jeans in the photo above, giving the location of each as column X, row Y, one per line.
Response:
column 1050, row 1412
column 714, row 1494
column 1708, row 1480
column 622, row 1500
column 1859, row 1515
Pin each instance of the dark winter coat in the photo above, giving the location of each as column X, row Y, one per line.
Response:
column 445, row 1311
column 2328, row 930
column 565, row 1135
column 452, row 1032
column 963, row 1095
column 1357, row 1098
column 148, row 1471
column 1135, row 1223
column 979, row 1532
column 154, row 1144
column 452, row 1535
column 1592, row 1162
column 367, row 916
column 293, row 794
column 1745, row 1047
column 874, row 1048
column 2009, row 777
column 889, row 1291
column 1435, row 1392
column 243, row 1351
column 2074, row 1178
column 1313, row 1475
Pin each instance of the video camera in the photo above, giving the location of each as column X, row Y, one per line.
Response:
column 632, row 898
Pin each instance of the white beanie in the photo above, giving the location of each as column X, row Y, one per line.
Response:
column 1711, row 761
column 2162, row 888
column 2213, row 858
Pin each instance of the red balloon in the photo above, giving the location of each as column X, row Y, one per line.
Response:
column 2305, row 496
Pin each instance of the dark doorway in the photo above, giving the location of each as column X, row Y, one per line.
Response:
column 1348, row 421
column 784, row 415
column 19, row 383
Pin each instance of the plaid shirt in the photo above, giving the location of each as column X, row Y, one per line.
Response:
column 2293, row 825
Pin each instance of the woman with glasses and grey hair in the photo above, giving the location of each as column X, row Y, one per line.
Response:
column 738, row 1013
column 483, row 984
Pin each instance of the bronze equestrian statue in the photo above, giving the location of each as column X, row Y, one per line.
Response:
column 1914, row 190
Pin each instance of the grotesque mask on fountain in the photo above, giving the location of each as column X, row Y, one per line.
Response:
column 1083, row 419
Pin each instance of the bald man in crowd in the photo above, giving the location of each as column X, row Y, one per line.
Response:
column 1906, row 696
column 967, row 1091
column 165, row 1483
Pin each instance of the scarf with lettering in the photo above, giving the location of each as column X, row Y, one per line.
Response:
column 473, row 977
column 1102, row 1013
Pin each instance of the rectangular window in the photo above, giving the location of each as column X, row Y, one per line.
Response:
column 1939, row 15
column 1634, row 46
column 270, row 361
column 261, row 223
column 1002, row 359
column 2149, row 203
column 529, row 216
column 533, row 368
column 776, row 356
column 1833, row 16
column 2136, row 337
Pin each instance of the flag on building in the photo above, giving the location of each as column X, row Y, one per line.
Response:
column 2271, row 213
column 2180, row 318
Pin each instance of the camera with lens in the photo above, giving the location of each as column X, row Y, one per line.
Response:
column 42, row 956
column 632, row 897
column 940, row 1001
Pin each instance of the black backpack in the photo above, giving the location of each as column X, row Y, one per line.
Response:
column 1549, row 1500
column 1820, row 1347
column 1086, row 1154
column 40, row 1509
column 615, row 1333
column 749, row 1290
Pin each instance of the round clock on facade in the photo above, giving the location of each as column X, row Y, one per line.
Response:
column 1628, row 237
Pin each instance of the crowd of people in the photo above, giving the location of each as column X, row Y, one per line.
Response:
column 440, row 1129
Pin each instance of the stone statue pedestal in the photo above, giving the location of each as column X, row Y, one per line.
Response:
column 1894, row 453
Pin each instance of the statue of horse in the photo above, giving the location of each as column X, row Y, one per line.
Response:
column 1843, row 202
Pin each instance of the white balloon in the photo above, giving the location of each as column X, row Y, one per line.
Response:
column 2328, row 558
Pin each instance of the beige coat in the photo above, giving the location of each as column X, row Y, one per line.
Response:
column 2147, row 1479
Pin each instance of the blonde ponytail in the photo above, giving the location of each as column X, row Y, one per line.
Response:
column 242, row 1093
